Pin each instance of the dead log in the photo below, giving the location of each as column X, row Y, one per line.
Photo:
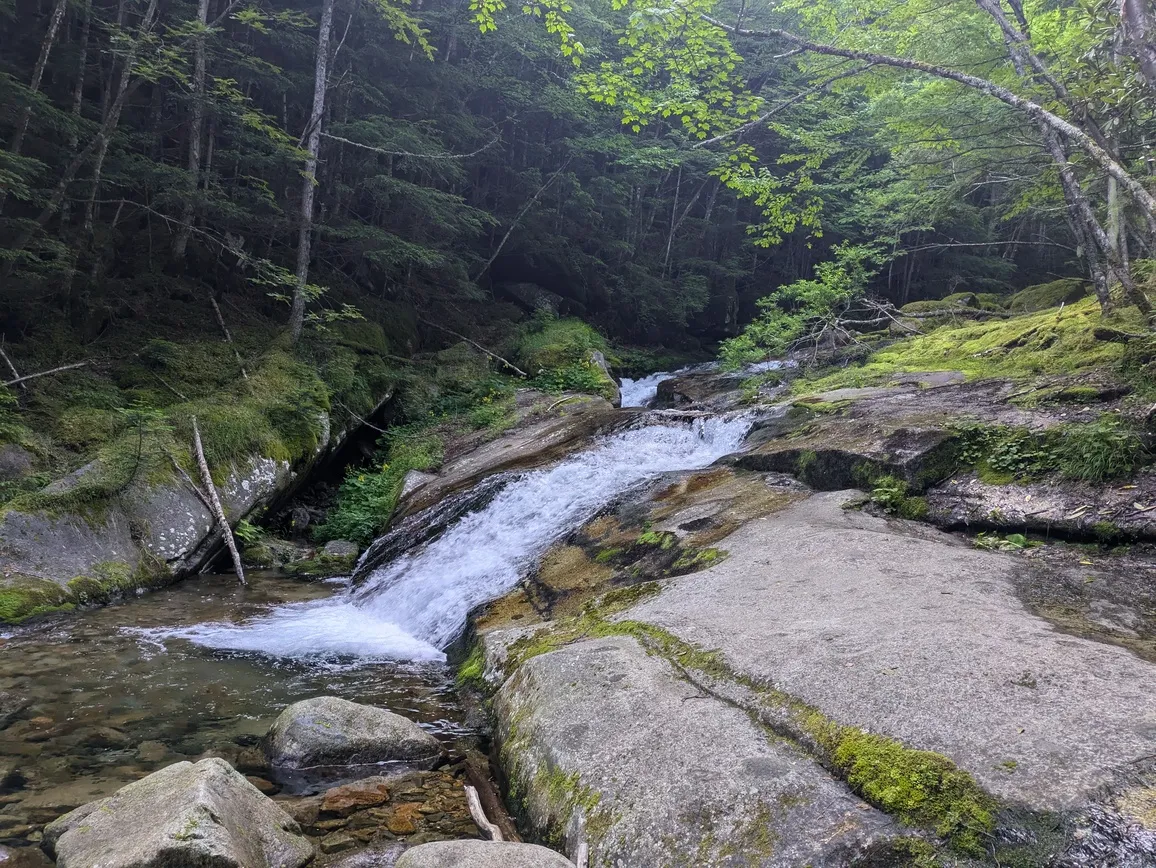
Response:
column 476, row 345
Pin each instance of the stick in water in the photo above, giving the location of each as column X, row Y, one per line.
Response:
column 582, row 857
column 217, row 509
column 484, row 825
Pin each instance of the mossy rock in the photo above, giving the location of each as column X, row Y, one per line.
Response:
column 1046, row 295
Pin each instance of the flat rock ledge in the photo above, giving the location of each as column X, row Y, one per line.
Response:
column 183, row 816
column 329, row 731
column 481, row 854
column 612, row 747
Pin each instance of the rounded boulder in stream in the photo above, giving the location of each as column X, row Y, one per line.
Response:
column 329, row 731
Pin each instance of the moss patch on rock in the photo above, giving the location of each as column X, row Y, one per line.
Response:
column 26, row 597
column 1045, row 342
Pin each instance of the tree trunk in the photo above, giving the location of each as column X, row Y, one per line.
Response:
column 1138, row 30
column 196, row 131
column 34, row 86
column 309, row 181
column 78, row 97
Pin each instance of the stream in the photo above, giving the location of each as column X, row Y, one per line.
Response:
column 203, row 667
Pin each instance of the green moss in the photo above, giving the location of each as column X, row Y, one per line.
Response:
column 558, row 356
column 1048, row 295
column 27, row 597
column 921, row 788
column 805, row 459
column 1047, row 342
column 698, row 559
column 664, row 540
column 822, row 408
column 607, row 555
column 1106, row 532
column 30, row 597
column 472, row 671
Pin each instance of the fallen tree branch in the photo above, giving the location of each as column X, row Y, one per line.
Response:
column 582, row 856
column 778, row 107
column 518, row 219
column 228, row 337
column 478, row 772
column 189, row 481
column 216, row 508
column 484, row 825
column 11, row 366
column 386, row 153
column 475, row 344
column 45, row 373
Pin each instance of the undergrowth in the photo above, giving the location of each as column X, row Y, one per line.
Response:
column 558, row 355
column 1106, row 449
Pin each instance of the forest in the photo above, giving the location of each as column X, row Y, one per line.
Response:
column 654, row 171
column 320, row 207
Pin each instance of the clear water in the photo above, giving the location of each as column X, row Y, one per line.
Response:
column 108, row 705
column 414, row 607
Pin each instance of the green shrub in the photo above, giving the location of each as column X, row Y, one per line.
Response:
column 368, row 497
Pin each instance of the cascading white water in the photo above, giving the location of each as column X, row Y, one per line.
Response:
column 413, row 607
column 640, row 392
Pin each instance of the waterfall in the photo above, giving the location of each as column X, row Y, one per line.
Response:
column 412, row 607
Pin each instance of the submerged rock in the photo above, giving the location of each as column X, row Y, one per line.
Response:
column 329, row 731
column 346, row 799
column 481, row 854
column 183, row 816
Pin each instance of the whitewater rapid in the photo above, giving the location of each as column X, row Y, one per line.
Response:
column 413, row 607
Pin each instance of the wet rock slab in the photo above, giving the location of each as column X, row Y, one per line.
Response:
column 609, row 745
column 915, row 634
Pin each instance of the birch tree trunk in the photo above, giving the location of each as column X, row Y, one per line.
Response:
column 309, row 179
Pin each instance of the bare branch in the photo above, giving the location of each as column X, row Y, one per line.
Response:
column 45, row 373
column 386, row 153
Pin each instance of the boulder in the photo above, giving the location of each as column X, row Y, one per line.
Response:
column 183, row 816
column 613, row 746
column 481, row 854
column 611, row 391
column 329, row 731
column 341, row 548
column 16, row 462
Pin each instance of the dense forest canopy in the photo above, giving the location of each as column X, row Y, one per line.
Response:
column 653, row 169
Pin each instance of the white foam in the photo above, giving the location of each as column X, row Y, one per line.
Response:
column 416, row 605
